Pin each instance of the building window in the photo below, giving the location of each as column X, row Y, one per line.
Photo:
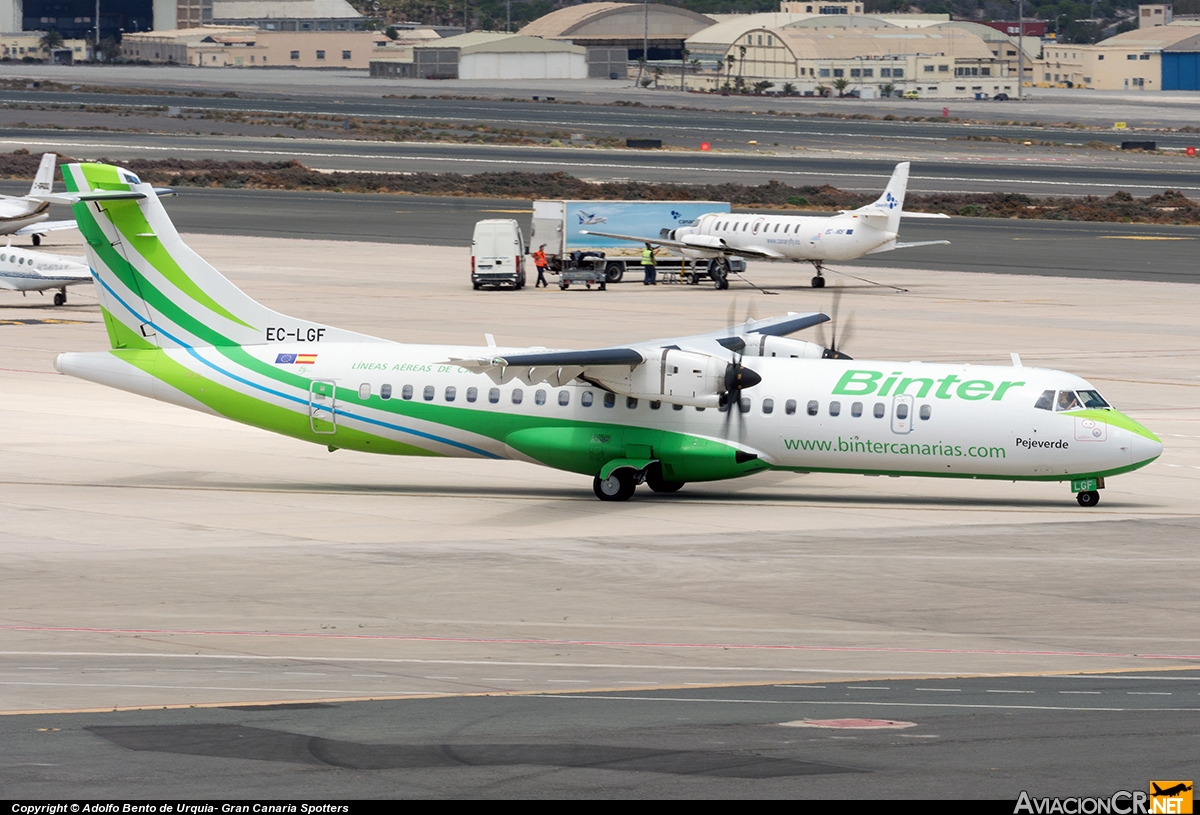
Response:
column 838, row 73
column 897, row 73
column 885, row 72
column 345, row 55
column 1131, row 56
column 868, row 72
column 295, row 55
column 760, row 39
column 320, row 55
column 1100, row 58
column 1144, row 56
column 824, row 72
column 928, row 69
column 943, row 69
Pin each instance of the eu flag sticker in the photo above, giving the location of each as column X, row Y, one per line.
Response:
column 285, row 359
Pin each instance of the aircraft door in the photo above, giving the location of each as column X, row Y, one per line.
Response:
column 902, row 414
column 322, row 406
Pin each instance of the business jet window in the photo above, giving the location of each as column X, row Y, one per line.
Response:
column 564, row 398
column 586, row 399
column 610, row 399
column 789, row 407
column 676, row 407
column 494, row 395
column 1045, row 401
column 926, row 412
column 879, row 410
column 768, row 405
column 385, row 392
column 472, row 394
column 655, row 405
column 1092, row 400
column 1067, row 400
column 835, row 408
column 856, row 409
column 428, row 394
column 451, row 393
column 3, row 257
column 813, row 407
column 517, row 396
column 406, row 392
column 539, row 397
column 364, row 390
column 744, row 404
column 21, row 262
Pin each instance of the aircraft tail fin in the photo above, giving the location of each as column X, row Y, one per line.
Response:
column 154, row 290
column 891, row 203
column 43, row 182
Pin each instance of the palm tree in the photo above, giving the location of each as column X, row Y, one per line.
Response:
column 741, row 58
column 730, row 59
column 887, row 89
column 51, row 40
column 641, row 69
column 841, row 83
column 683, row 60
column 789, row 89
column 762, row 87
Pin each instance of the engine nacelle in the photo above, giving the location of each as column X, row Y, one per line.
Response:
column 703, row 241
column 678, row 377
column 761, row 345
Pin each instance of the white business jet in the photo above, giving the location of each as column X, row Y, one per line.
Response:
column 813, row 239
column 29, row 214
column 25, row 270
column 710, row 406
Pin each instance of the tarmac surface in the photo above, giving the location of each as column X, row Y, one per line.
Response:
column 519, row 638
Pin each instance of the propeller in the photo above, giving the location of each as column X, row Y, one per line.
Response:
column 737, row 376
column 831, row 350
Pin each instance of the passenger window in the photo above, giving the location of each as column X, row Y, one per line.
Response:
column 517, row 396
column 428, row 393
column 472, row 394
column 926, row 412
column 789, row 407
column 586, row 399
column 676, row 407
column 385, row 392
column 902, row 411
column 630, row 402
column 768, row 405
column 1092, row 400
column 856, row 409
column 451, row 392
column 539, row 397
column 744, row 404
column 494, row 395
column 835, row 408
column 1045, row 401
column 364, row 390
column 564, row 398
column 655, row 405
column 610, row 399
column 813, row 407
column 699, row 410
column 406, row 392
column 879, row 410
column 1067, row 400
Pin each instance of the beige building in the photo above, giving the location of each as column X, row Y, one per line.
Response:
column 22, row 44
column 1129, row 61
column 809, row 7
column 245, row 47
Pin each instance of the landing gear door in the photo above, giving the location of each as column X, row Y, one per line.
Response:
column 322, row 407
column 902, row 414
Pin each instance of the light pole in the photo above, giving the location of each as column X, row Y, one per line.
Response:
column 646, row 30
column 507, row 16
column 1020, row 48
column 97, row 28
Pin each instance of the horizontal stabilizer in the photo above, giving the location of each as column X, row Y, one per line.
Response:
column 923, row 215
column 887, row 247
column 44, row 227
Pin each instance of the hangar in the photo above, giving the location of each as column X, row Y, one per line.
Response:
column 622, row 25
column 494, row 55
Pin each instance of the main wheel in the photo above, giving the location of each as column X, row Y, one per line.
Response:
column 818, row 282
column 564, row 284
column 60, row 299
column 1088, row 498
column 614, row 272
column 37, row 240
column 656, row 482
column 617, row 487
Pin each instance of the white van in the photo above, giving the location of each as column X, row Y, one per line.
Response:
column 498, row 254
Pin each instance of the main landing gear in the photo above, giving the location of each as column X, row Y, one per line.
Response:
column 818, row 282
column 622, row 483
column 60, row 297
column 718, row 270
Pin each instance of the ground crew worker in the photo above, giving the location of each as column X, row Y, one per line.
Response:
column 651, row 274
column 539, row 260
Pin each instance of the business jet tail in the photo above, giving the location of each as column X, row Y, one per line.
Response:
column 43, row 182
column 891, row 204
column 154, row 291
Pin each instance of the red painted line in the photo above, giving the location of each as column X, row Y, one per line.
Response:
column 595, row 643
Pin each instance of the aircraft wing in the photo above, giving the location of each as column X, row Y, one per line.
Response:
column 719, row 246
column 560, row 367
column 45, row 226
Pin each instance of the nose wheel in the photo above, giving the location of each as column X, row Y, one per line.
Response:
column 1088, row 498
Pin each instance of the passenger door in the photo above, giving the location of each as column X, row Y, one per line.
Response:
column 902, row 414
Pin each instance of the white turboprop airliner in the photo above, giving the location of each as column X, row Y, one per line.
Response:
column 25, row 270
column 648, row 412
column 28, row 214
column 814, row 239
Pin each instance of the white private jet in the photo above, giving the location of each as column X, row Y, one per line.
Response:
column 711, row 406
column 29, row 214
column 814, row 239
column 25, row 270
column 591, row 219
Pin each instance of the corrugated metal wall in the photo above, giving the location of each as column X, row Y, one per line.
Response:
column 1181, row 71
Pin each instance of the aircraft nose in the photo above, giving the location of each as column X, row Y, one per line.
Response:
column 1145, row 449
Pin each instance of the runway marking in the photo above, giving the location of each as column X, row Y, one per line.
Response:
column 723, row 646
column 952, row 705
column 940, row 690
column 1081, row 692
column 1010, row 691
column 561, row 163
column 864, row 687
column 1140, row 238
column 196, row 687
column 1146, row 693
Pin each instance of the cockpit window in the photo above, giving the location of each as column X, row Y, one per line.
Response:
column 1045, row 401
column 1092, row 400
column 1067, row 400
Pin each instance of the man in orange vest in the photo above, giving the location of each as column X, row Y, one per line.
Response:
column 539, row 260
